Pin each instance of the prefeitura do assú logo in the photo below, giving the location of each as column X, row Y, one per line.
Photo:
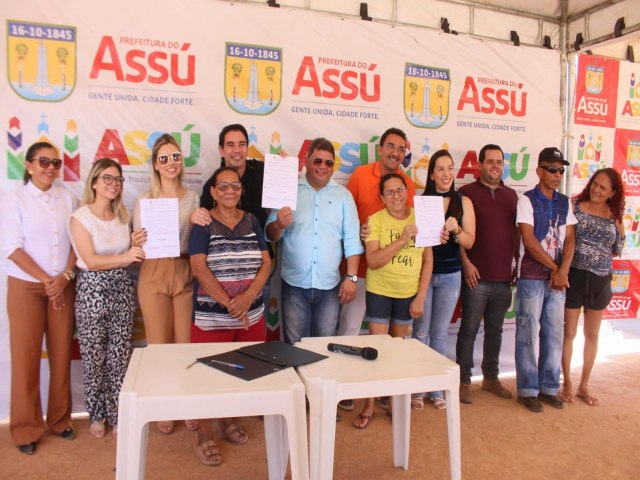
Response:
column 41, row 60
column 252, row 78
column 426, row 95
column 594, row 79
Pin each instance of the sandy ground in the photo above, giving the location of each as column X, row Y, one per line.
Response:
column 500, row 440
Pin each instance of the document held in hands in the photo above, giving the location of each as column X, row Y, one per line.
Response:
column 280, row 186
column 160, row 218
column 429, row 211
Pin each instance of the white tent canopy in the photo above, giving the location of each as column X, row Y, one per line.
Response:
column 494, row 20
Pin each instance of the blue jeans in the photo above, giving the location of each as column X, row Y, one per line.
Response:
column 538, row 306
column 385, row 310
column 432, row 328
column 309, row 312
column 489, row 300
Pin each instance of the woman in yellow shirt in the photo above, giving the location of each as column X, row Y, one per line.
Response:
column 398, row 272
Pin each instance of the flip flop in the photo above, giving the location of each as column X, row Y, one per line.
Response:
column 565, row 397
column 208, row 453
column 439, row 403
column 191, row 425
column 417, row 403
column 588, row 399
column 362, row 421
column 235, row 435
column 166, row 427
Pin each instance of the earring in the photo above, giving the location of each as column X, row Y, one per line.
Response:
column 30, row 172
column 214, row 203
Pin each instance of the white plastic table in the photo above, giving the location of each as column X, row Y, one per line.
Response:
column 402, row 367
column 158, row 386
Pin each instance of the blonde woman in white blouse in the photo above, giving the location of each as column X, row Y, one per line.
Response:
column 165, row 285
column 40, row 297
column 105, row 293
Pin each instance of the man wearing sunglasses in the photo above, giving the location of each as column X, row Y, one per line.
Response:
column 546, row 222
column 314, row 237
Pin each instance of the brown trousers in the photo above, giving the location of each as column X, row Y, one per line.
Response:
column 31, row 316
column 165, row 293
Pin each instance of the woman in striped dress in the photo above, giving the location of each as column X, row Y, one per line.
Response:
column 230, row 264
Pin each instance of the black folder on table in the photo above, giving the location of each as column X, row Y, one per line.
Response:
column 261, row 359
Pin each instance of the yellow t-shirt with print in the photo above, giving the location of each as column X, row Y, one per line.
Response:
column 400, row 277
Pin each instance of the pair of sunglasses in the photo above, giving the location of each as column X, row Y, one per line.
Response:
column 224, row 186
column 176, row 157
column 553, row 170
column 318, row 161
column 45, row 162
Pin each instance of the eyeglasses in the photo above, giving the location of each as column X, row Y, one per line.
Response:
column 176, row 157
column 109, row 179
column 391, row 147
column 328, row 162
column 224, row 186
column 392, row 193
column 45, row 162
column 553, row 170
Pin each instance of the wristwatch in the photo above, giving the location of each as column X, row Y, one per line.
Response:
column 69, row 275
column 353, row 278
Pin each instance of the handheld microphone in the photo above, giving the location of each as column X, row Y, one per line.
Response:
column 368, row 353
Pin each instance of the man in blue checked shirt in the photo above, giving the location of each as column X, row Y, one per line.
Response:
column 314, row 237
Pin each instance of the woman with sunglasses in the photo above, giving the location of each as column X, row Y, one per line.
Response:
column 39, row 297
column 230, row 263
column 105, row 295
column 398, row 272
column 165, row 285
column 599, row 237
column 459, row 230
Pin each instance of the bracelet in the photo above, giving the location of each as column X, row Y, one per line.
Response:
column 69, row 275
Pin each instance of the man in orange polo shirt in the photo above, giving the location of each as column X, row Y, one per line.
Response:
column 364, row 186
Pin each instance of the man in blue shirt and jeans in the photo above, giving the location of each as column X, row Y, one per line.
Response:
column 323, row 227
column 546, row 221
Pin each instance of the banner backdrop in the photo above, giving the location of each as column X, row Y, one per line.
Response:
column 105, row 80
column 606, row 133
